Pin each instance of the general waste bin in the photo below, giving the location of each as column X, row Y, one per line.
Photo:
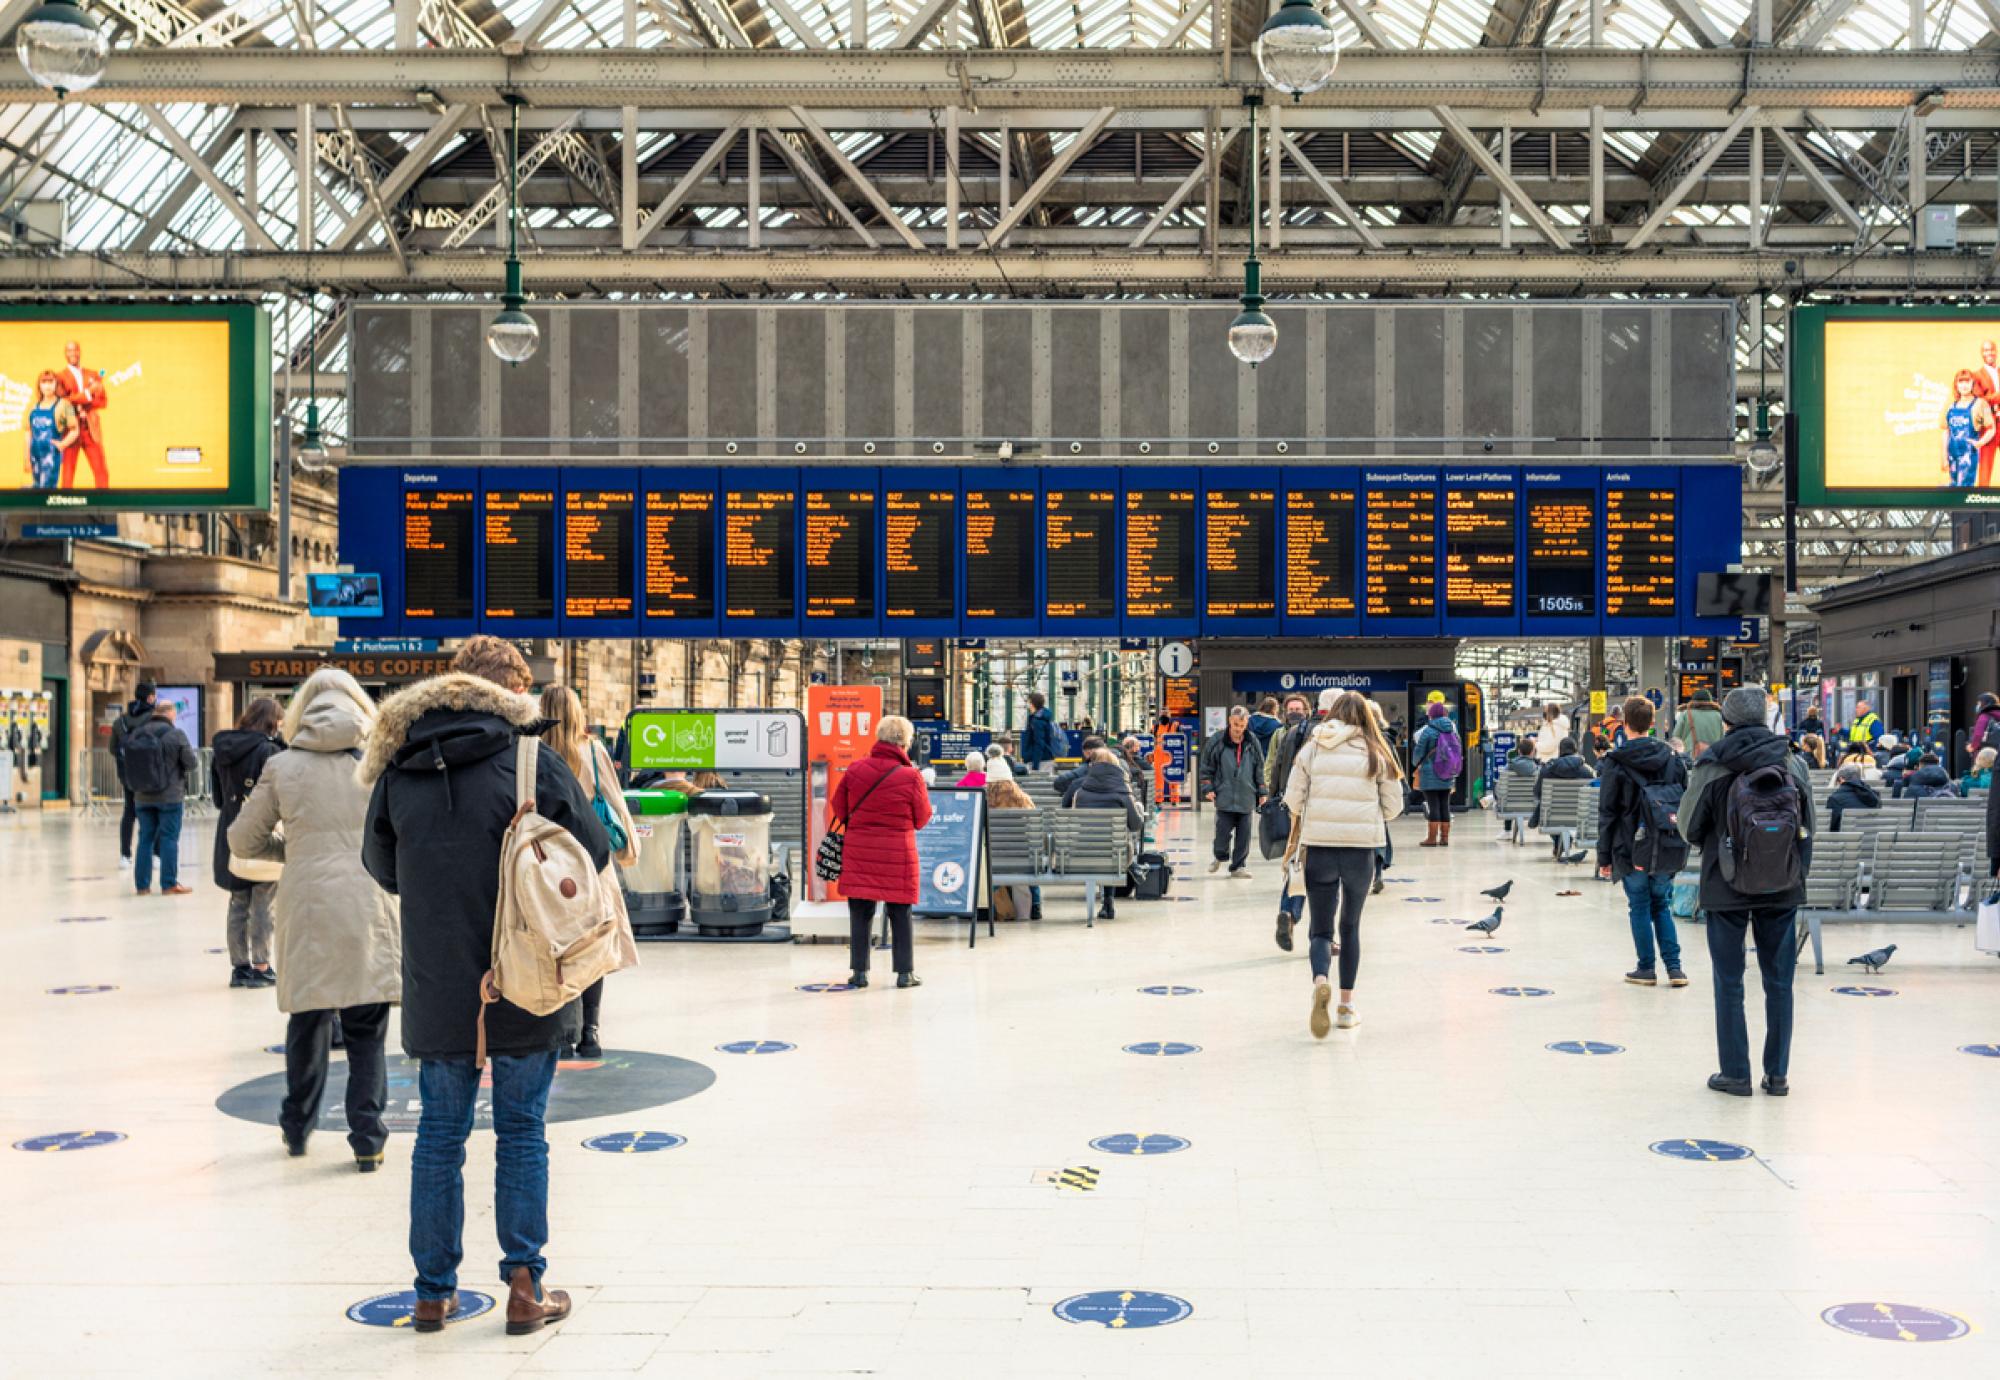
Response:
column 730, row 842
column 653, row 891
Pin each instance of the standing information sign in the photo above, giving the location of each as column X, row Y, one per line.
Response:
column 840, row 730
column 951, row 854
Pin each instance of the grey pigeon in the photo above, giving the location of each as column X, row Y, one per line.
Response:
column 1578, row 856
column 1499, row 893
column 1875, row 959
column 1490, row 924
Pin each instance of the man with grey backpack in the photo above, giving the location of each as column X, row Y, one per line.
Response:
column 1748, row 808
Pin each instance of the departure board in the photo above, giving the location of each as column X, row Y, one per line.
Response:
column 1480, row 554
column 1691, row 681
column 1399, row 554
column 680, row 553
column 840, row 553
column 1241, row 553
column 1639, row 553
column 437, row 553
column 1698, row 653
column 1319, row 553
column 1000, row 553
column 1159, row 553
column 520, row 553
column 920, row 570
column 597, row 553
column 757, row 553
column 1562, row 553
column 1082, row 552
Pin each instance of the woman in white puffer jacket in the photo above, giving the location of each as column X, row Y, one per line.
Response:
column 1344, row 788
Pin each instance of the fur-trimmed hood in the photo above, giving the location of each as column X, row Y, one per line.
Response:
column 462, row 697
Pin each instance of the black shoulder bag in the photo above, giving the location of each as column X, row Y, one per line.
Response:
column 826, row 861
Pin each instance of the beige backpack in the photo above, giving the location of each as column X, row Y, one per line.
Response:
column 560, row 925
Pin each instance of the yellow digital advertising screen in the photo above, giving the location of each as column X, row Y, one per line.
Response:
column 1897, row 406
column 135, row 406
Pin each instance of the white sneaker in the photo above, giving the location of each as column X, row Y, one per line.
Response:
column 124, row 864
column 1239, row 874
column 1344, row 1018
column 1215, row 866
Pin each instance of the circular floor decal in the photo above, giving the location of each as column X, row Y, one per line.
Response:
column 1162, row 1047
column 635, row 1142
column 1896, row 1322
column 1983, row 1051
column 1446, row 920
column 1170, row 990
column 1177, row 900
column 1423, row 900
column 80, row 989
column 1584, row 1047
column 1691, row 1148
column 397, row 1309
column 827, row 987
column 1521, row 991
column 1481, row 949
column 622, row 1081
column 80, row 919
column 1124, row 1308
column 59, row 1141
column 215, row 951
column 1126, row 1143
column 278, row 1048
column 756, row 1047
column 1865, row 991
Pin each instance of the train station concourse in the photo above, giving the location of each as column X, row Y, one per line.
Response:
column 961, row 688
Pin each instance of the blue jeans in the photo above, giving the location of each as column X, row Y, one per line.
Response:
column 450, row 1089
column 1650, row 900
column 1774, row 930
column 159, row 831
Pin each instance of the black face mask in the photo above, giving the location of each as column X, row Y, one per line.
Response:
column 1295, row 717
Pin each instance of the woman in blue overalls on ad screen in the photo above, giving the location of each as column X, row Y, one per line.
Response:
column 1968, row 428
column 51, row 431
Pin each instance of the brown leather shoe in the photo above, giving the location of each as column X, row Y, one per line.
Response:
column 529, row 1310
column 431, row 1313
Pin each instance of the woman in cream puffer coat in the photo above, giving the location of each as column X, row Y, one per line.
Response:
column 1344, row 788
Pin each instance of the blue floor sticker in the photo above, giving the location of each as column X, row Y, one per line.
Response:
column 1163, row 1047
column 1584, row 1047
column 635, row 1142
column 1983, row 1051
column 1521, row 991
column 1423, row 900
column 80, row 989
column 1865, row 991
column 1124, row 1308
column 1896, row 1322
column 82, row 919
column 756, row 1047
column 1447, row 920
column 828, row 987
column 397, row 1309
column 278, row 1048
column 1171, row 991
column 59, row 1141
column 1690, row 1148
column 1481, row 949
column 1125, row 1143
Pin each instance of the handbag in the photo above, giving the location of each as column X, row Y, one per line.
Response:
column 1291, row 906
column 606, row 816
column 1274, row 827
column 1986, row 934
column 833, row 845
column 256, row 870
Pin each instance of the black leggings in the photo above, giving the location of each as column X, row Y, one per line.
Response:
column 1337, row 883
column 593, row 1000
column 1437, row 806
column 308, row 1037
column 860, row 934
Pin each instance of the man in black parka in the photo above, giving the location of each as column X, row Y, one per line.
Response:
column 442, row 762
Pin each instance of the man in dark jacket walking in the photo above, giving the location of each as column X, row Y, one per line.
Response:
column 1624, row 808
column 1038, row 739
column 136, row 713
column 441, row 758
column 1768, row 916
column 1232, row 775
column 1851, row 791
column 158, row 784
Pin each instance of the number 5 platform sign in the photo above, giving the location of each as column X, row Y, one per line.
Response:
column 951, row 854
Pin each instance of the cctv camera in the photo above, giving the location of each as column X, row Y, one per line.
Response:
column 1486, row 446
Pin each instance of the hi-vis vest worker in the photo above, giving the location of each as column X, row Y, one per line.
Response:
column 1866, row 728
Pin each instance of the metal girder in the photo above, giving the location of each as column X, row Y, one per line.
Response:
column 1030, row 80
column 1668, row 204
column 1475, row 149
column 857, row 178
column 1700, row 26
column 1180, row 193
column 702, row 166
column 224, row 195
column 1355, row 221
column 1060, row 165
column 489, row 205
column 1818, row 179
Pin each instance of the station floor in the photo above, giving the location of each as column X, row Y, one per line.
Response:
column 1435, row 1193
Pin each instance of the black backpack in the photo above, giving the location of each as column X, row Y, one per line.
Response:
column 147, row 768
column 1657, row 846
column 1763, row 823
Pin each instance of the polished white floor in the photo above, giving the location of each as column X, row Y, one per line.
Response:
column 1432, row 1194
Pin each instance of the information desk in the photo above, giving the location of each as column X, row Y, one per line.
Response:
column 1025, row 551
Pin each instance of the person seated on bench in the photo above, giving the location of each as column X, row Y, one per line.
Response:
column 1003, row 792
column 1928, row 781
column 1565, row 766
column 1851, row 791
column 1105, row 786
column 1523, row 762
column 1980, row 778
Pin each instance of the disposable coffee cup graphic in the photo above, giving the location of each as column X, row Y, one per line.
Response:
column 846, row 723
column 826, row 722
column 861, row 722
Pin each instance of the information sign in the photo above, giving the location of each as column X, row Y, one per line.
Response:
column 840, row 553
column 1000, row 554
column 951, row 851
column 1241, row 554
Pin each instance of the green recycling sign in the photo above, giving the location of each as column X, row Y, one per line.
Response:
column 696, row 740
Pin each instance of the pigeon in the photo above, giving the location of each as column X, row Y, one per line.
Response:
column 1499, row 893
column 1489, row 924
column 1578, row 856
column 1875, row 959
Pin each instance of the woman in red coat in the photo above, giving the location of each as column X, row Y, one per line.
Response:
column 883, row 801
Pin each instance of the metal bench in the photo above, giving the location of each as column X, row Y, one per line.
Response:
column 1834, row 884
column 1017, row 847
column 1092, row 848
column 1894, row 815
column 1921, row 875
column 1514, row 804
column 1951, row 815
column 1563, row 807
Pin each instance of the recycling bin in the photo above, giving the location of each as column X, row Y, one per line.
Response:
column 653, row 891
column 730, row 843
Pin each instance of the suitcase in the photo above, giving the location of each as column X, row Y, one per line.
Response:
column 1152, row 875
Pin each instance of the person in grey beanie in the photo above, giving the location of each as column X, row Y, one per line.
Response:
column 1749, row 809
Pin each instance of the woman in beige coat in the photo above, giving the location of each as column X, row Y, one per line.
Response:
column 1344, row 789
column 338, row 948
column 593, row 769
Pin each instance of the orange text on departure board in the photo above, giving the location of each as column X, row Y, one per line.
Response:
column 1319, row 552
column 1399, row 557
column 677, row 535
column 1240, row 582
column 836, row 524
column 1159, row 530
column 1479, row 551
column 1639, row 541
column 594, row 553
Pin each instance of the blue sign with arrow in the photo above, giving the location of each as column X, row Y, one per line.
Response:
column 635, row 1142
column 1584, row 1047
column 59, row 1141
column 756, row 1047
column 1124, row 1308
column 1166, row 1048
column 399, row 1309
column 1125, row 1143
column 1709, row 1151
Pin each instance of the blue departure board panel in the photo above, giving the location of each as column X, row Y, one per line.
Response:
column 1385, row 549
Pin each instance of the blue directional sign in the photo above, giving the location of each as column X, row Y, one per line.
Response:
column 399, row 1309
column 1983, row 1051
column 1864, row 991
column 1126, row 1143
column 1481, row 949
column 1171, row 991
column 827, row 987
column 1124, row 1308
column 1584, row 1047
column 1521, row 991
column 69, row 531
column 635, row 1142
column 1896, row 1322
column 756, row 1047
column 80, row 989
column 59, row 1141
column 1167, row 1048
column 1693, row 1148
